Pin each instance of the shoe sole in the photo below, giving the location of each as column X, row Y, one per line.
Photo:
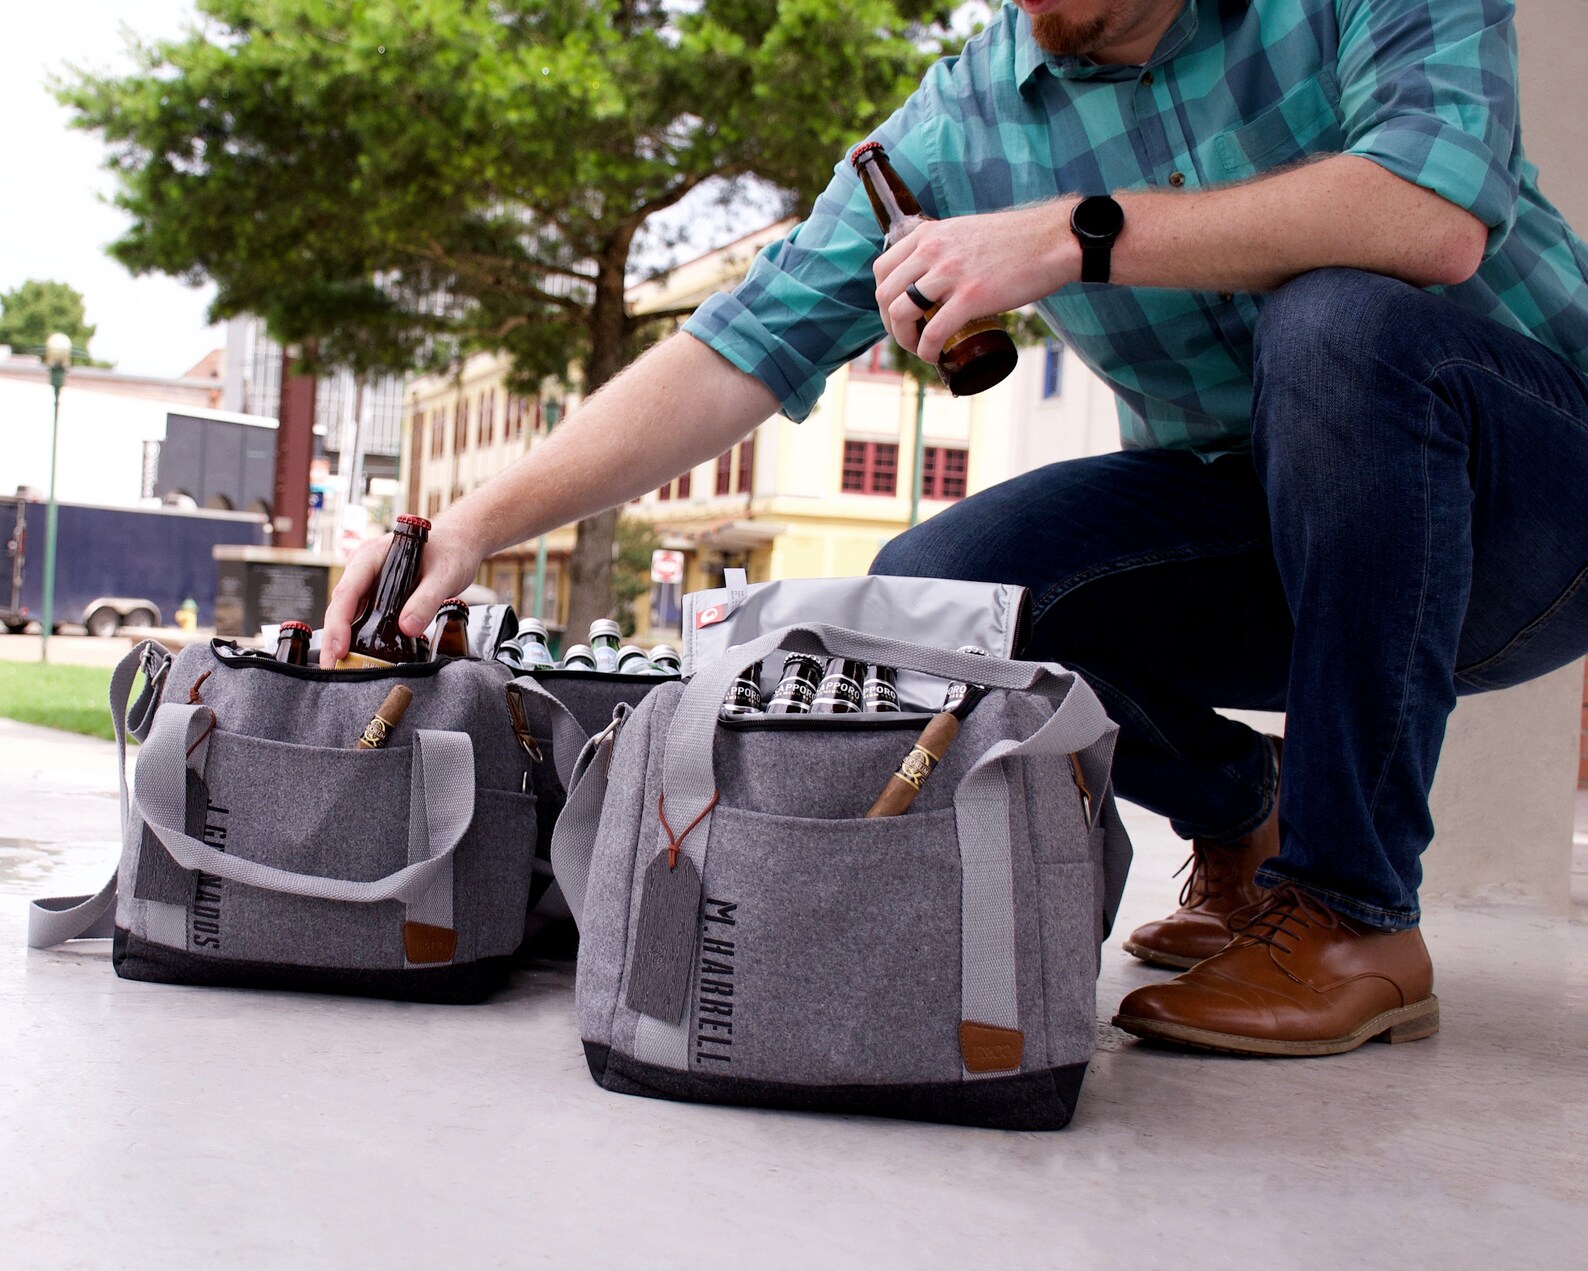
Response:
column 1403, row 1024
column 1174, row 961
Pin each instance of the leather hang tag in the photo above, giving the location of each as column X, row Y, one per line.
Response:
column 664, row 938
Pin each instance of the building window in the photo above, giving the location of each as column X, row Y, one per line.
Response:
column 880, row 358
column 487, row 417
column 418, row 442
column 683, row 484
column 943, row 472
column 438, row 434
column 746, row 465
column 515, row 417
column 725, row 472
column 1053, row 368
column 871, row 467
column 460, row 429
column 433, row 505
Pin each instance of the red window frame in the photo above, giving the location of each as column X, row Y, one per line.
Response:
column 871, row 467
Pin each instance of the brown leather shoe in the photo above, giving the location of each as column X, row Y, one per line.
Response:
column 1298, row 979
column 1221, row 881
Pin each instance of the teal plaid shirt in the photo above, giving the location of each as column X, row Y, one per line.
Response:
column 1425, row 88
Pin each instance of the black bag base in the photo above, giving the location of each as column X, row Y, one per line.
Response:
column 1042, row 1100
column 464, row 984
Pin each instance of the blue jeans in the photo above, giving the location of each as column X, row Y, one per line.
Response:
column 1409, row 526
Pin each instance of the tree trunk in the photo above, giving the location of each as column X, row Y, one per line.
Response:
column 590, row 564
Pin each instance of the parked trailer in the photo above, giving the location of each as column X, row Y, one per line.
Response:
column 115, row 567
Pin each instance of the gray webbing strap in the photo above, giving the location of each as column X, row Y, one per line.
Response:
column 442, row 795
column 53, row 920
column 567, row 734
column 574, row 838
column 981, row 810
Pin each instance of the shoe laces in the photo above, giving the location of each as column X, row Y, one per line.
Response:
column 1204, row 864
column 1284, row 914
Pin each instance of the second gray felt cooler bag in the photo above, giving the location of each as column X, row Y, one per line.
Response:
column 262, row 850
column 749, row 936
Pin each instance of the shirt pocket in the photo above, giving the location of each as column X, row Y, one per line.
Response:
column 1305, row 121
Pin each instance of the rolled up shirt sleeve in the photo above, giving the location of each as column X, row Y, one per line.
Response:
column 808, row 304
column 1428, row 90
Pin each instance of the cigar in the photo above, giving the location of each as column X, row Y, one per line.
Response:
column 924, row 756
column 379, row 730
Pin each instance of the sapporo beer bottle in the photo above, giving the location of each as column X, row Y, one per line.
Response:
column 377, row 640
column 797, row 689
column 452, row 637
column 980, row 353
column 880, row 692
column 292, row 643
column 839, row 692
column 744, row 697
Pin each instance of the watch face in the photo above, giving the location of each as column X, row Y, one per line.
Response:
column 1098, row 217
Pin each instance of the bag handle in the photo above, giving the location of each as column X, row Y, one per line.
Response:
column 687, row 775
column 54, row 920
column 568, row 736
column 442, row 808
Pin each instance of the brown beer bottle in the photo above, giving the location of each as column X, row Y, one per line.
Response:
column 292, row 643
column 980, row 353
column 452, row 638
column 377, row 640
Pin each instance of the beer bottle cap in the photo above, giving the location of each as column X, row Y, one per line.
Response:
column 864, row 148
column 417, row 522
column 454, row 603
column 293, row 625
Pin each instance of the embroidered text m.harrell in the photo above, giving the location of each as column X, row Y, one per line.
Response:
column 207, row 890
column 714, row 1028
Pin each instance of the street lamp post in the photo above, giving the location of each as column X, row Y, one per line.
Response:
column 552, row 410
column 57, row 356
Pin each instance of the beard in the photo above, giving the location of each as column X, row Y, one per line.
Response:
column 1060, row 35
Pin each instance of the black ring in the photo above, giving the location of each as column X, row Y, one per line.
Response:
column 917, row 299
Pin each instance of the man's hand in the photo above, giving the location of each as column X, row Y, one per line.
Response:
column 448, row 566
column 974, row 267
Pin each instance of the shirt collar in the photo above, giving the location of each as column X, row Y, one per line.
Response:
column 1029, row 59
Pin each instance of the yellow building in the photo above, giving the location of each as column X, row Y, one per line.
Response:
column 792, row 500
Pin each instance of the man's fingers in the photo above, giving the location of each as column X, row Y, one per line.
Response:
column 421, row 608
column 357, row 579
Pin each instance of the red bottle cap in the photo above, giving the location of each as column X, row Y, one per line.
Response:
column 864, row 148
column 294, row 625
column 453, row 602
column 419, row 521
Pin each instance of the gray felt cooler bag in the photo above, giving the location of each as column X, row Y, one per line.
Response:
column 261, row 849
column 940, row 965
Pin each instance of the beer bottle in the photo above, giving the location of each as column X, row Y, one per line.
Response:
column 579, row 658
column 452, row 637
column 605, row 637
column 839, row 692
column 797, row 689
column 533, row 644
column 509, row 655
column 377, row 640
column 956, row 692
column 292, row 643
column 744, row 698
column 666, row 660
column 632, row 661
column 980, row 353
column 881, row 690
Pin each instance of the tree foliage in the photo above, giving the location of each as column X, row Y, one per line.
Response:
column 397, row 182
column 37, row 309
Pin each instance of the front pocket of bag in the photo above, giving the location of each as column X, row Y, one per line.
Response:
column 830, row 950
column 1070, row 907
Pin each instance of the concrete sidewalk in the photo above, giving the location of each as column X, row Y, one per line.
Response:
column 145, row 1126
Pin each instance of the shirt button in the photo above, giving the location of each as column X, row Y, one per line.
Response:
column 1146, row 78
column 1177, row 179
column 1226, row 296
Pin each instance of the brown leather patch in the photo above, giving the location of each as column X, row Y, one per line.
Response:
column 988, row 1048
column 424, row 943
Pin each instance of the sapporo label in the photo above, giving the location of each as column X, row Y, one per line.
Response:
column 744, row 698
column 838, row 691
column 795, row 692
column 881, row 696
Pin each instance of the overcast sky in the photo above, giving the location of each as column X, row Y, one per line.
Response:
column 54, row 220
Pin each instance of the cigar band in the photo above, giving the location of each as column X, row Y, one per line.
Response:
column 377, row 733
column 917, row 766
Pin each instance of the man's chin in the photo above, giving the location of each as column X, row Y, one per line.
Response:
column 1057, row 34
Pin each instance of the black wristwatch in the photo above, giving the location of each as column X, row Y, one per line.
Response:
column 1096, row 222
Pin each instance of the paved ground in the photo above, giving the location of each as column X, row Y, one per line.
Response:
column 148, row 1126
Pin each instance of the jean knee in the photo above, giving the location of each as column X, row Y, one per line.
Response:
column 923, row 551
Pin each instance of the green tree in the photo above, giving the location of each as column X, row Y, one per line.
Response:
column 397, row 182
column 631, row 569
column 37, row 309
